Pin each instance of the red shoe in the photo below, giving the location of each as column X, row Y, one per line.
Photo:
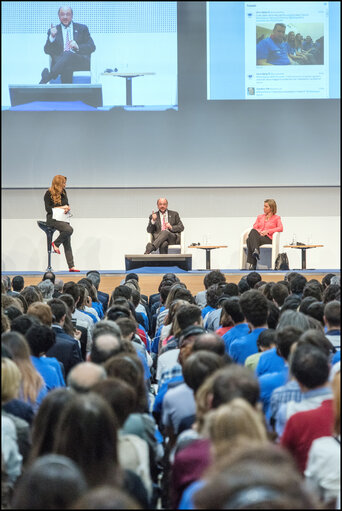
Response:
column 73, row 269
column 55, row 249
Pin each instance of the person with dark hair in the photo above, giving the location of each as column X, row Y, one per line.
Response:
column 252, row 278
column 82, row 320
column 255, row 308
column 51, row 482
column 297, row 284
column 243, row 285
column 66, row 349
column 265, row 342
column 232, row 308
column 273, row 315
column 332, row 321
column 213, row 318
column 165, row 227
column 272, row 50
column 12, row 312
column 332, row 292
column 69, row 45
column 49, row 275
column 87, row 434
column 41, row 338
column 95, row 278
column 316, row 310
column 23, row 322
column 313, row 288
column 291, row 302
column 304, row 304
column 326, row 279
column 213, row 277
column 312, row 417
column 31, row 295
column 17, row 284
column 279, row 293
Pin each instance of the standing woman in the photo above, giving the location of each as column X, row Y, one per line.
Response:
column 56, row 197
column 263, row 229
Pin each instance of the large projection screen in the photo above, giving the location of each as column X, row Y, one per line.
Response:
column 221, row 143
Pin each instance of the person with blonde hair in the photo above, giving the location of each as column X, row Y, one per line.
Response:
column 56, row 198
column 263, row 229
column 32, row 388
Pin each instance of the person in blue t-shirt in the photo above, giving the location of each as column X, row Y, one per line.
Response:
column 273, row 50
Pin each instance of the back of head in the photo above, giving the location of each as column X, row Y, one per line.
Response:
column 213, row 277
column 94, row 277
column 18, row 283
column 10, row 380
column 233, row 309
column 49, row 275
column 332, row 292
column 279, row 293
column 293, row 318
column 107, row 341
column 304, row 304
column 121, row 397
column 286, row 337
column 310, row 366
column 326, row 279
column 118, row 311
column 209, row 342
column 51, row 482
column 230, row 289
column 22, row 323
column 127, row 327
column 31, row 295
column 255, row 308
column 84, row 375
column 42, row 312
column 252, row 278
column 122, row 291
column 199, row 366
column 243, row 286
column 40, row 338
column 235, row 381
column 267, row 338
column 273, row 315
column 46, row 287
column 313, row 288
column 316, row 310
column 297, row 284
column 188, row 315
column 214, row 292
column 317, row 338
column 291, row 302
column 332, row 313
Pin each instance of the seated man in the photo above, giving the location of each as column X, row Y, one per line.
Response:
column 70, row 45
column 165, row 227
column 272, row 50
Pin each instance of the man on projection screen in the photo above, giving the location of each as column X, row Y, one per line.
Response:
column 165, row 226
column 69, row 45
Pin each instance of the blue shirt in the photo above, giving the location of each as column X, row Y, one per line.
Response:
column 187, row 497
column 268, row 382
column 241, row 348
column 206, row 310
column 47, row 367
column 235, row 333
column 269, row 362
column 273, row 52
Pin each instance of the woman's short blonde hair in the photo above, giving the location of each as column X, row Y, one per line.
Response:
column 10, row 380
column 272, row 204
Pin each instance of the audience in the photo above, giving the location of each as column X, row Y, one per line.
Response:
column 162, row 409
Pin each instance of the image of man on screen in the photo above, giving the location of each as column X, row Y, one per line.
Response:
column 165, row 226
column 272, row 51
column 69, row 45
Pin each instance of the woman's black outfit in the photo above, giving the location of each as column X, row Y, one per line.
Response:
column 64, row 228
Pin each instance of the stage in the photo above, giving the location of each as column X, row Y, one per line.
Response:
column 150, row 277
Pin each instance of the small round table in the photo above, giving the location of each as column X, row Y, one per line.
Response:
column 303, row 248
column 207, row 249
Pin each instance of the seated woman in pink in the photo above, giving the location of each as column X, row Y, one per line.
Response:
column 263, row 229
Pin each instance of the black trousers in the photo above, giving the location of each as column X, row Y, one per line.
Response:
column 65, row 231
column 254, row 241
column 66, row 64
column 163, row 239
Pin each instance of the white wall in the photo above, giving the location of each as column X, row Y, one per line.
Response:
column 102, row 243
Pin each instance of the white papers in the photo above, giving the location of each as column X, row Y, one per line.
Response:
column 59, row 214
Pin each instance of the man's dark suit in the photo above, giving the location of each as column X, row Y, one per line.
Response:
column 162, row 239
column 65, row 349
column 64, row 63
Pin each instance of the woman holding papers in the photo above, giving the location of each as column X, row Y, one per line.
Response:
column 57, row 209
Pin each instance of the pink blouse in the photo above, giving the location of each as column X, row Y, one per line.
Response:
column 272, row 225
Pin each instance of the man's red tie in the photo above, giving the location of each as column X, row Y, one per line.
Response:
column 67, row 42
column 164, row 223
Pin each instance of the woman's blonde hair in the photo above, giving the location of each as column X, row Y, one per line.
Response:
column 232, row 420
column 10, row 380
column 272, row 204
column 56, row 188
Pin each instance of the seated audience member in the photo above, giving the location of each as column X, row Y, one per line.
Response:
column 316, row 310
column 255, row 308
column 213, row 318
column 279, row 293
column 32, row 388
column 10, row 384
column 297, row 284
column 133, row 451
column 41, row 338
column 246, row 477
column 47, row 288
column 70, row 325
column 58, row 288
column 177, row 292
column 312, row 417
column 252, row 278
column 326, row 280
column 49, row 275
column 31, row 294
column 290, row 391
column 213, row 277
column 66, row 349
column 42, row 312
column 332, row 292
column 95, row 278
column 232, row 308
column 293, row 318
column 128, row 333
column 243, row 285
column 85, row 303
column 332, row 320
column 265, row 342
column 87, row 434
column 17, row 285
column 83, row 376
column 323, row 468
column 11, row 459
column 11, row 313
column 305, row 303
column 82, row 319
column 51, row 482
